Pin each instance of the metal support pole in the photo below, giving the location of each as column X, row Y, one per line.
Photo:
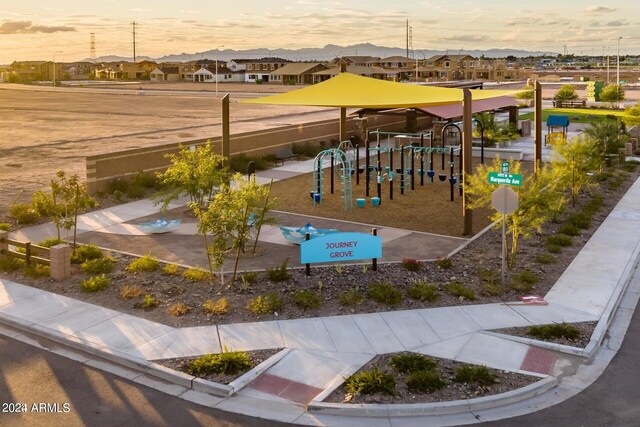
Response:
column 537, row 118
column 402, row 178
column 332, row 165
column 467, row 160
column 357, row 172
column 374, row 261
column 307, row 266
column 391, row 171
column 451, row 174
column 413, row 168
column 367, row 165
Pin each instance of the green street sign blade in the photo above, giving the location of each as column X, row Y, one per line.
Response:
column 505, row 179
column 505, row 167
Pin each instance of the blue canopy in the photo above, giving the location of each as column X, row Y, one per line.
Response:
column 558, row 121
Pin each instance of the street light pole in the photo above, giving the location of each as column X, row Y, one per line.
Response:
column 618, row 63
column 54, row 66
column 217, row 51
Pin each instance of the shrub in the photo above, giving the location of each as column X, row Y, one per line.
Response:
column 149, row 302
column 630, row 166
column 86, row 253
column 558, row 330
column 307, row 299
column 98, row 266
column 5, row 226
column 524, row 281
column 371, row 382
column 216, row 307
column 170, row 269
column 145, row 263
column 560, row 240
column 118, row 196
column 178, row 309
column 351, row 297
column 411, row 264
column 37, row 271
column 593, row 205
column 95, row 284
column 411, row 362
column 425, row 381
column 546, row 259
column 227, row 363
column 459, row 290
column 268, row 303
column 581, row 220
column 444, row 263
column 384, row 293
column 196, row 275
column 24, row 213
column 474, row 374
column 135, row 191
column 145, row 180
column 423, row 291
column 10, row 264
column 130, row 291
column 118, row 185
column 279, row 274
column 554, row 249
column 51, row 241
column 570, row 230
column 487, row 275
column 492, row 289
column 249, row 277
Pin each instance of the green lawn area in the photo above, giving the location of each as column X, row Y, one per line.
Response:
column 578, row 115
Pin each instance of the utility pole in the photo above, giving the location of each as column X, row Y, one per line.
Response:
column 618, row 63
column 407, row 38
column 134, row 41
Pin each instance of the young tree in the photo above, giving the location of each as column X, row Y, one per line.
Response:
column 529, row 92
column 606, row 136
column 566, row 93
column 632, row 115
column 68, row 197
column 198, row 173
column 538, row 197
column 573, row 161
column 612, row 93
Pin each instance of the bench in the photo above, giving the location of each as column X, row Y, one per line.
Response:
column 284, row 154
column 569, row 104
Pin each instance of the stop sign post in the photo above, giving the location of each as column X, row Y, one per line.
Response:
column 505, row 201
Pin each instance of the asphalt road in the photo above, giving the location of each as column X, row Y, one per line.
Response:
column 612, row 400
column 31, row 375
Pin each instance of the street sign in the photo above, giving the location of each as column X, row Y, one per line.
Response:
column 505, row 167
column 505, row 179
column 504, row 200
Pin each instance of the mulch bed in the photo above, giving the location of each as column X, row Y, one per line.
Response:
column 586, row 330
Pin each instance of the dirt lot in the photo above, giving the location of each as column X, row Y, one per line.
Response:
column 44, row 131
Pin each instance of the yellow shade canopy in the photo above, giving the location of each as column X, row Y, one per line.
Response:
column 352, row 91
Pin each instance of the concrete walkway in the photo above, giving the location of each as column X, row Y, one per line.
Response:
column 319, row 352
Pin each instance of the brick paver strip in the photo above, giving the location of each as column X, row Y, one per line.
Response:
column 271, row 384
column 285, row 388
column 539, row 360
column 299, row 392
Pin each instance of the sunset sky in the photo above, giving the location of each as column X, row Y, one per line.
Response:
column 34, row 30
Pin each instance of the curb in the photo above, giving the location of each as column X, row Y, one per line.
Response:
column 437, row 408
column 240, row 382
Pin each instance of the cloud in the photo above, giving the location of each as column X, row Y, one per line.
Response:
column 617, row 23
column 466, row 38
column 26, row 27
column 600, row 9
column 192, row 12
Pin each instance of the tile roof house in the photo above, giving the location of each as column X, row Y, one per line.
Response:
column 165, row 74
column 366, row 71
column 297, row 72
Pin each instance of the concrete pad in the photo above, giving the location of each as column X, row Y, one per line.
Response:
column 552, row 313
column 184, row 342
column 251, row 336
column 378, row 333
column 124, row 332
column 448, row 322
column 410, row 328
column 79, row 318
column 346, row 335
column 35, row 233
column 494, row 316
column 202, row 399
column 11, row 292
column 272, row 234
column 447, row 349
column 318, row 369
column 492, row 351
column 318, row 419
column 40, row 307
column 309, row 334
column 123, row 229
column 391, row 234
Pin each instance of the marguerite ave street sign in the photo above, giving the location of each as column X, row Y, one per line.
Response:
column 505, row 179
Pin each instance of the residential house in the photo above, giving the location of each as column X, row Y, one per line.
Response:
column 297, row 73
column 31, row 70
column 365, row 71
column 135, row 70
column 165, row 74
column 207, row 74
column 359, row 61
column 261, row 69
column 448, row 67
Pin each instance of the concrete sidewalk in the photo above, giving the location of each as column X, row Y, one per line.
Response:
column 319, row 352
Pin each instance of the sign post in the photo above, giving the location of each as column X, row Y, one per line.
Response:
column 505, row 201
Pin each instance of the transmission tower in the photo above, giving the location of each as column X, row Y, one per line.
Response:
column 92, row 54
column 134, row 41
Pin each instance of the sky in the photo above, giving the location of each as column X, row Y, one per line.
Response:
column 36, row 30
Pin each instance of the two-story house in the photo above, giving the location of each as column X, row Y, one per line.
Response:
column 261, row 69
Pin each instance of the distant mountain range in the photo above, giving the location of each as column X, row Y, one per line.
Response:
column 325, row 53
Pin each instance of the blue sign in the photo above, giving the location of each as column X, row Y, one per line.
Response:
column 340, row 247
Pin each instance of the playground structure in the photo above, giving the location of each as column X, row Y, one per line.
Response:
column 555, row 136
column 413, row 158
